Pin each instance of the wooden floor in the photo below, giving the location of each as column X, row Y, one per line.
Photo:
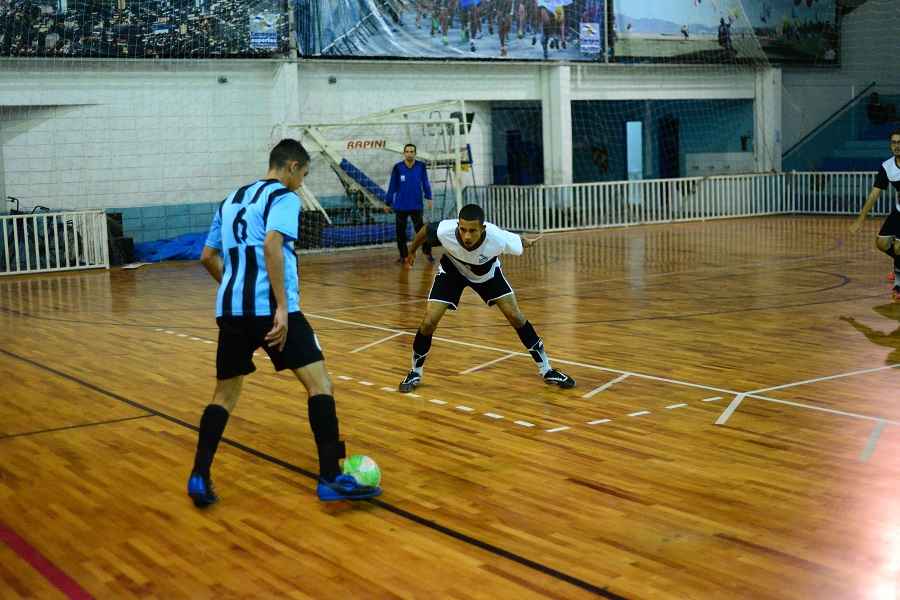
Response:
column 496, row 486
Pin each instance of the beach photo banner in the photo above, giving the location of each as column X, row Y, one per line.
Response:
column 716, row 31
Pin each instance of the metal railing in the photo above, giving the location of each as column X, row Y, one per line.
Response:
column 620, row 203
column 623, row 203
column 53, row 241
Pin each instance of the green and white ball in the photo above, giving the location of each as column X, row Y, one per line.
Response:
column 363, row 468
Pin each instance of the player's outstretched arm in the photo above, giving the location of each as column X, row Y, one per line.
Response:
column 417, row 242
column 529, row 242
column 870, row 202
column 212, row 262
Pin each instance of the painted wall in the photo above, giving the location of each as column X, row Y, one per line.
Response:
column 182, row 134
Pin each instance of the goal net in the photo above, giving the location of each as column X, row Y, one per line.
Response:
column 346, row 192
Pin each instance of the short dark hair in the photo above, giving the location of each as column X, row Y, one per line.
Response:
column 894, row 132
column 285, row 151
column 471, row 212
column 410, row 145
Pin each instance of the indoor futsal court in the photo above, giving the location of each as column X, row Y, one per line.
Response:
column 672, row 372
column 733, row 433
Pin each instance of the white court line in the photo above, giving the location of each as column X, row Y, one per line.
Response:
column 158, row 329
column 873, row 441
column 369, row 306
column 554, row 359
column 555, row 429
column 641, row 375
column 723, row 418
column 436, row 401
column 196, row 339
column 208, row 342
column 345, row 378
column 493, row 415
column 822, row 409
column 465, row 408
column 829, row 377
column 524, row 423
column 170, row 332
column 487, row 364
column 182, row 335
column 376, row 342
column 671, row 406
column 365, row 383
column 607, row 385
column 639, row 413
column 713, row 399
column 414, row 395
column 388, row 389
column 599, row 421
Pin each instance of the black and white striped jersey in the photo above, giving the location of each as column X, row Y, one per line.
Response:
column 479, row 264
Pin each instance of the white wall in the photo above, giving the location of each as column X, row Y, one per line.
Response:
column 115, row 134
column 111, row 133
column 870, row 47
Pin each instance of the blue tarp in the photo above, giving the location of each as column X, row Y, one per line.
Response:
column 190, row 245
column 184, row 247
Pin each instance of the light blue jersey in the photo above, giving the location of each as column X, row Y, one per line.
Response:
column 239, row 231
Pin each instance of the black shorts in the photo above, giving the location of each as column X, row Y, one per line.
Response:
column 891, row 225
column 449, row 284
column 240, row 337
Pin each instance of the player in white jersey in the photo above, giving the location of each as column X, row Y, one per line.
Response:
column 472, row 250
column 888, row 240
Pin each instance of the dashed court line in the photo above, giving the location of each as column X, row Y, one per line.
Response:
column 723, row 418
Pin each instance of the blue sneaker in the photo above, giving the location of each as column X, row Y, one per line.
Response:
column 201, row 491
column 345, row 487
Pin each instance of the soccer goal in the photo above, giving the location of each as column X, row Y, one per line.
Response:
column 352, row 161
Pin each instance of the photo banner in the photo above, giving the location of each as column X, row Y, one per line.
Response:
column 556, row 30
column 716, row 31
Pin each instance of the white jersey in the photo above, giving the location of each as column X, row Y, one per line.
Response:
column 889, row 174
column 479, row 264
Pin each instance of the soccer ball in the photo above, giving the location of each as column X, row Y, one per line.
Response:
column 364, row 469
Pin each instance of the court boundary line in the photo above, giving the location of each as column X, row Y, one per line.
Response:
column 68, row 427
column 409, row 516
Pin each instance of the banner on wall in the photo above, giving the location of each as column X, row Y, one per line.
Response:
column 711, row 31
column 563, row 30
column 263, row 31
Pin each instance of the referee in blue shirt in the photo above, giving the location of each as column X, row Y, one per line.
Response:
column 409, row 180
column 250, row 253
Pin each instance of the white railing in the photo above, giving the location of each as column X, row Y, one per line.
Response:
column 53, row 241
column 619, row 203
column 622, row 203
column 835, row 193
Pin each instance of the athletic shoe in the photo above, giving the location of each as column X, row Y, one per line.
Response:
column 345, row 487
column 410, row 383
column 201, row 491
column 554, row 377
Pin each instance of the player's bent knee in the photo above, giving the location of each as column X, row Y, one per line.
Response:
column 884, row 243
column 321, row 384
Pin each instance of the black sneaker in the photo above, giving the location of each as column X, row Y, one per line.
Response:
column 554, row 377
column 201, row 491
column 412, row 380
